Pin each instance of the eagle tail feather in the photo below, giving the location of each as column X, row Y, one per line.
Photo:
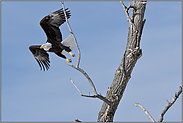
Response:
column 69, row 42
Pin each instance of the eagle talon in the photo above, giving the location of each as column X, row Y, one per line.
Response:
column 68, row 60
column 72, row 54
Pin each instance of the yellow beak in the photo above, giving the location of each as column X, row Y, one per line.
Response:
column 41, row 47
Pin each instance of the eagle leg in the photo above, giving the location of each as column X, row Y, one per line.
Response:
column 72, row 54
column 68, row 60
column 63, row 56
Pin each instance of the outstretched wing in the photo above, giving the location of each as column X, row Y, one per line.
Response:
column 41, row 57
column 51, row 23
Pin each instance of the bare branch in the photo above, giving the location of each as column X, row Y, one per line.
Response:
column 127, row 14
column 146, row 112
column 93, row 96
column 76, row 87
column 99, row 97
column 79, row 54
column 86, row 75
column 130, row 6
column 77, row 66
column 82, row 71
column 96, row 95
column 169, row 104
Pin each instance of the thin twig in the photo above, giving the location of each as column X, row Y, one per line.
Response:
column 127, row 14
column 86, row 75
column 93, row 96
column 76, row 87
column 99, row 97
column 79, row 54
column 146, row 112
column 169, row 104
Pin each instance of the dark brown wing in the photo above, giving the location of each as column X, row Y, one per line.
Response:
column 51, row 23
column 41, row 57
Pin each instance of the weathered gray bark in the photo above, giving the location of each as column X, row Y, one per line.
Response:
column 130, row 57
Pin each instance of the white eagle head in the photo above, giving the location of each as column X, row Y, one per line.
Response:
column 46, row 46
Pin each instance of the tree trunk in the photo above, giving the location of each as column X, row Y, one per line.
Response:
column 130, row 57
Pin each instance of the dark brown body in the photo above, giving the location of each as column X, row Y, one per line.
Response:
column 58, row 47
column 50, row 25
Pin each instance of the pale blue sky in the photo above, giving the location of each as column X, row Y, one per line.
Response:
column 101, row 28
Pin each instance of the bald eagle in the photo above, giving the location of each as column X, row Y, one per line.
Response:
column 54, row 43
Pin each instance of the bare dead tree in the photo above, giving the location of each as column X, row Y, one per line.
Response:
column 130, row 57
column 123, row 72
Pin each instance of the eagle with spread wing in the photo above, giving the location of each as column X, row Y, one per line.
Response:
column 50, row 25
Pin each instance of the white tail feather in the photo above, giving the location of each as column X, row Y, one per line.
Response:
column 69, row 42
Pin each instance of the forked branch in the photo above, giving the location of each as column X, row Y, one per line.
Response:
column 169, row 104
column 99, row 96
column 86, row 75
column 127, row 14
column 96, row 95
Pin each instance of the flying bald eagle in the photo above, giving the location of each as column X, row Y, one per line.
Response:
column 50, row 25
